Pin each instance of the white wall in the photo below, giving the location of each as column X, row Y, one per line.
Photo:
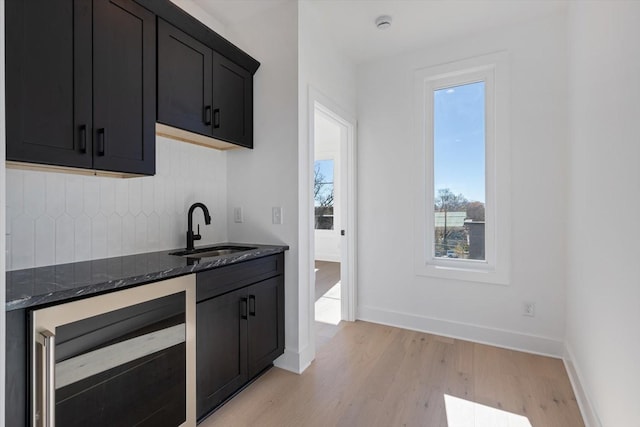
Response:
column 389, row 290
column 267, row 176
column 55, row 218
column 326, row 72
column 603, row 291
column 322, row 65
column 294, row 53
column 195, row 10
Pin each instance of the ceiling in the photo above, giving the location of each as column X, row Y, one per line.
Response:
column 229, row 12
column 416, row 23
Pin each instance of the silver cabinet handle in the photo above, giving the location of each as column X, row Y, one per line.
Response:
column 48, row 341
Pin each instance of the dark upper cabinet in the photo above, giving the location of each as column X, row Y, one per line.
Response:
column 201, row 91
column 81, row 84
column 232, row 102
column 48, row 82
column 184, row 81
column 124, row 86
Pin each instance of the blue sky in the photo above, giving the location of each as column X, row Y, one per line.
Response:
column 459, row 145
column 326, row 169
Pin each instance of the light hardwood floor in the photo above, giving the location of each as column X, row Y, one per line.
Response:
column 327, row 304
column 327, row 275
column 375, row 375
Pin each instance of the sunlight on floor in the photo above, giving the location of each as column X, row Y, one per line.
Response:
column 328, row 306
column 464, row 413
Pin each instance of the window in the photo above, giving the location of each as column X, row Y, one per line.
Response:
column 462, row 217
column 323, row 194
column 459, row 171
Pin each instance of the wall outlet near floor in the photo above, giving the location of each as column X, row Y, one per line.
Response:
column 276, row 215
column 237, row 215
column 529, row 309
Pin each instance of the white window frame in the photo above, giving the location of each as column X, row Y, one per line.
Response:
column 493, row 70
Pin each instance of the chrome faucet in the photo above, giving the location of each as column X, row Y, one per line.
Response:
column 191, row 237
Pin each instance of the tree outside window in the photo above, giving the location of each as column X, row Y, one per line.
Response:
column 323, row 194
column 459, row 226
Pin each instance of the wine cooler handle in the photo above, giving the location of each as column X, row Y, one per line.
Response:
column 48, row 341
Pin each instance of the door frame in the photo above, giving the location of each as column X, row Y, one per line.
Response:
column 348, row 267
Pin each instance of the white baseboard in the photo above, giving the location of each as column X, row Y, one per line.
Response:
column 589, row 414
column 295, row 362
column 497, row 337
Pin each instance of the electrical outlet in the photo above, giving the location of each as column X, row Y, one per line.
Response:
column 237, row 215
column 276, row 215
column 529, row 309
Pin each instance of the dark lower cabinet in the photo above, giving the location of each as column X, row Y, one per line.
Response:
column 239, row 333
column 221, row 340
column 16, row 399
column 80, row 79
column 265, row 338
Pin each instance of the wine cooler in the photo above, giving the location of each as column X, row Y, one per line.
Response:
column 125, row 358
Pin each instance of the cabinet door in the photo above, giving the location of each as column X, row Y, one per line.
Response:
column 48, row 81
column 233, row 102
column 221, row 358
column 124, row 85
column 266, row 323
column 184, row 81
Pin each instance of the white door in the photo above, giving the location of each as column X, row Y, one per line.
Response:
column 333, row 142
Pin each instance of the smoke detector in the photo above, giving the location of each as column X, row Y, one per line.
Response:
column 383, row 22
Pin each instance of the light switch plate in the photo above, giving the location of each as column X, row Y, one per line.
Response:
column 276, row 215
column 238, row 215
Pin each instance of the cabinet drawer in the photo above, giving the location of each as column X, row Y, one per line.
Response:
column 226, row 279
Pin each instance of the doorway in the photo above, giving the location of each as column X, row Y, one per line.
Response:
column 333, row 221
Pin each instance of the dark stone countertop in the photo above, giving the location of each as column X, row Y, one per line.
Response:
column 34, row 287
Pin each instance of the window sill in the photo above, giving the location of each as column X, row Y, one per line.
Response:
column 464, row 271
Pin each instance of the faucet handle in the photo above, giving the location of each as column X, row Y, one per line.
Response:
column 197, row 236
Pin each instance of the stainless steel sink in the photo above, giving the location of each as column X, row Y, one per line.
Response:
column 212, row 251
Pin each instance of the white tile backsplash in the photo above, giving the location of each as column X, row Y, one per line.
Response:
column 23, row 248
column 54, row 190
column 99, row 236
column 82, row 237
column 74, row 202
column 91, row 196
column 57, row 218
column 122, row 196
column 114, row 238
column 141, row 233
column 45, row 241
column 135, row 196
column 129, row 234
column 15, row 181
column 65, row 241
column 34, row 194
